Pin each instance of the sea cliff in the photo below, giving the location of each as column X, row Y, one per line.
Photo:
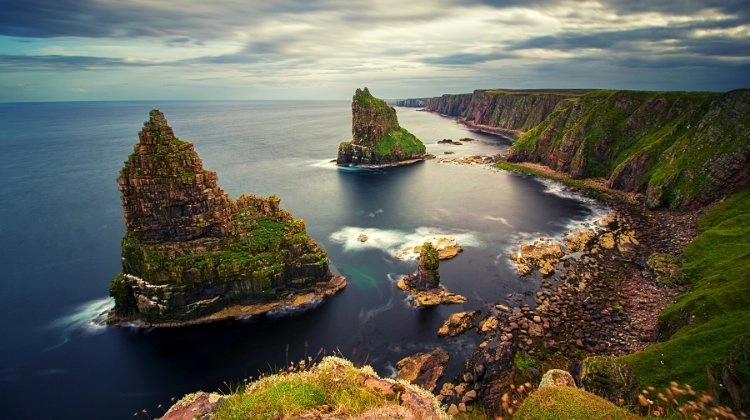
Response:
column 377, row 138
column 680, row 149
column 191, row 254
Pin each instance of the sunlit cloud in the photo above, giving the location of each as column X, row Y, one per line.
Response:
column 239, row 49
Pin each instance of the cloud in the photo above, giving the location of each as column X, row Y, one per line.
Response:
column 466, row 59
column 419, row 48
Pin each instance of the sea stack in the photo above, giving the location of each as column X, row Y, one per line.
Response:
column 191, row 254
column 424, row 284
column 377, row 138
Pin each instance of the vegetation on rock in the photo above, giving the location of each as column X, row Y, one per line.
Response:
column 706, row 332
column 377, row 138
column 334, row 388
column 681, row 149
column 563, row 402
column 189, row 250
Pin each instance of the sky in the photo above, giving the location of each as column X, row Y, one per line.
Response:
column 53, row 50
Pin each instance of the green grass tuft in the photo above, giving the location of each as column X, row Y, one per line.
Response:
column 399, row 142
column 707, row 328
column 562, row 402
column 334, row 383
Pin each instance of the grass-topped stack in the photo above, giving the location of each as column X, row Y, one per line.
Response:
column 378, row 140
column 191, row 254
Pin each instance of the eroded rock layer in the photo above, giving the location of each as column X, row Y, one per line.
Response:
column 377, row 138
column 191, row 252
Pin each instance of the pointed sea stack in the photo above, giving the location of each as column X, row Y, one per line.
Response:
column 377, row 138
column 191, row 254
column 424, row 285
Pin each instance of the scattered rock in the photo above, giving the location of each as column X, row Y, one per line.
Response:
column 362, row 237
column 489, row 324
column 557, row 377
column 194, row 406
column 423, row 369
column 457, row 323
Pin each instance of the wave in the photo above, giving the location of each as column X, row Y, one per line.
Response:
column 398, row 243
column 83, row 319
column 325, row 164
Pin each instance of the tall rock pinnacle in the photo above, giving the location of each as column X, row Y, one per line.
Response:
column 377, row 138
column 191, row 254
column 166, row 193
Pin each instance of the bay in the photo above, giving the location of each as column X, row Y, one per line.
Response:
column 62, row 224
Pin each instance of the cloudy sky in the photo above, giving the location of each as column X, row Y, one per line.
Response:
column 284, row 49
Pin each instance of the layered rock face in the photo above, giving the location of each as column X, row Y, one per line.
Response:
column 377, row 138
column 192, row 254
column 680, row 149
column 507, row 112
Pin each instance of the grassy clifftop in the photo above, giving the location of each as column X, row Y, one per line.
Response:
column 333, row 388
column 707, row 331
column 679, row 148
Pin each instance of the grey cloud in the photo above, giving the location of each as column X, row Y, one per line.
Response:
column 47, row 62
column 684, row 42
column 462, row 59
column 683, row 7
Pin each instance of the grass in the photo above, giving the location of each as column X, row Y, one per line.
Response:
column 287, row 396
column 399, row 142
column 333, row 386
column 708, row 328
column 671, row 145
column 561, row 402
column 523, row 361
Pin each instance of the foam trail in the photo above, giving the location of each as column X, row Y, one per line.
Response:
column 325, row 164
column 82, row 319
column 499, row 219
column 365, row 316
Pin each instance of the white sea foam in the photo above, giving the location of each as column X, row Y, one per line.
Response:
column 376, row 212
column 325, row 164
column 365, row 316
column 83, row 319
column 394, row 242
column 499, row 219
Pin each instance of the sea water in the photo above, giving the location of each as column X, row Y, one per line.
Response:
column 61, row 224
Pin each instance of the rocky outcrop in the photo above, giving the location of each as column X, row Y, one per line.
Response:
column 423, row 369
column 457, row 324
column 679, row 149
column 316, row 392
column 377, row 138
column 192, row 254
column 424, row 285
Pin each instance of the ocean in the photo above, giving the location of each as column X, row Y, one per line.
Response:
column 62, row 224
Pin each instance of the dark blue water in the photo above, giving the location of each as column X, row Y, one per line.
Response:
column 61, row 224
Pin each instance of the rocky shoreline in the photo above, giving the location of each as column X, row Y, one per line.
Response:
column 292, row 302
column 598, row 297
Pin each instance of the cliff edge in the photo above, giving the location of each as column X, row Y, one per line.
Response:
column 377, row 138
column 682, row 149
column 191, row 254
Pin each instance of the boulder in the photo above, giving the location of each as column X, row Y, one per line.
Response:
column 423, row 369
